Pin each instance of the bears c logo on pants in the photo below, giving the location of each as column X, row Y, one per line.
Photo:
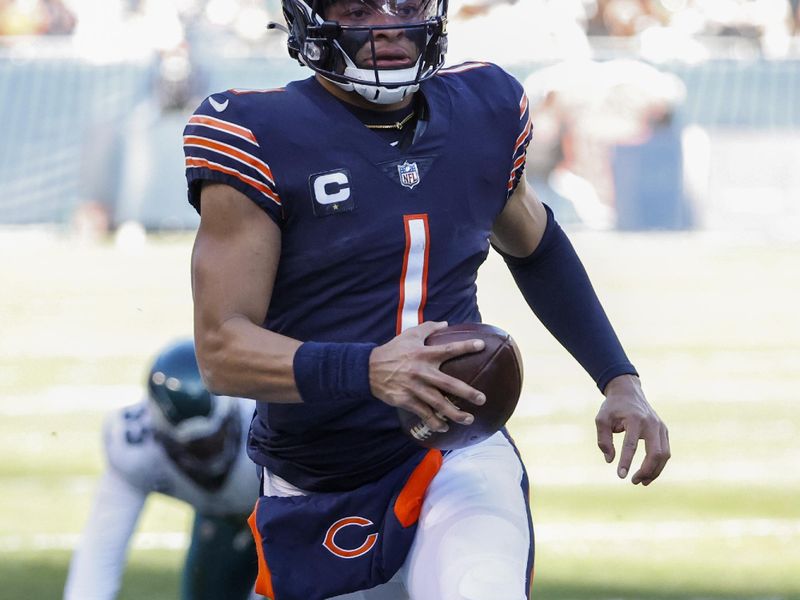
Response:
column 331, row 545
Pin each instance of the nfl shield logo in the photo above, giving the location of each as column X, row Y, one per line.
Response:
column 409, row 174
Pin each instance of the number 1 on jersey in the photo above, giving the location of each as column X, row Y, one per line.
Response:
column 414, row 277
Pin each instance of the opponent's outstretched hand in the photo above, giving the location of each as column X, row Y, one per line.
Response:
column 626, row 409
column 404, row 372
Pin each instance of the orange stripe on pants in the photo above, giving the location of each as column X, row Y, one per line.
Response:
column 264, row 579
column 409, row 502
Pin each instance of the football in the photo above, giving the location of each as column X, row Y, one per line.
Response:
column 496, row 371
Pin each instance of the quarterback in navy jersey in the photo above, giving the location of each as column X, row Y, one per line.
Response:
column 343, row 220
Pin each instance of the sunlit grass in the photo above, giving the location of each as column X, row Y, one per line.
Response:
column 711, row 324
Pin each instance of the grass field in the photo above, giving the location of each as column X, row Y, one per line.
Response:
column 711, row 323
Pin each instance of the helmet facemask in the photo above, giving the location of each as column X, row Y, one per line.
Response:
column 202, row 446
column 381, row 49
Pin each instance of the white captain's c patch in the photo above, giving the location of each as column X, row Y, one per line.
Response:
column 331, row 192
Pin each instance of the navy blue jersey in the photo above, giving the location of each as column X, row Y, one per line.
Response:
column 374, row 239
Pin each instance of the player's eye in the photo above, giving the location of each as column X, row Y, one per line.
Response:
column 408, row 11
column 347, row 11
column 357, row 12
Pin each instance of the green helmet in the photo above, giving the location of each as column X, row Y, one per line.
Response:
column 201, row 432
column 176, row 387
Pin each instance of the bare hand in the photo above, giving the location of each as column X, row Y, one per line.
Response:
column 405, row 373
column 626, row 409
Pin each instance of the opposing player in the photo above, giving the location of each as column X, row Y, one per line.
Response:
column 343, row 220
column 185, row 443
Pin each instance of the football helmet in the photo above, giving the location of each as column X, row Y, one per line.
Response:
column 200, row 432
column 380, row 49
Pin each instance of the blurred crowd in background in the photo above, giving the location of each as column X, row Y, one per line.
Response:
column 604, row 78
column 553, row 27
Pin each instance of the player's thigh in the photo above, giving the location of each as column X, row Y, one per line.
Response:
column 221, row 561
column 387, row 591
column 474, row 537
column 391, row 590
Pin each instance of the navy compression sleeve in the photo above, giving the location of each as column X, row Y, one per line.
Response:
column 555, row 285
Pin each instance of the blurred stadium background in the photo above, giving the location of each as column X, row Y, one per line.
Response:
column 667, row 138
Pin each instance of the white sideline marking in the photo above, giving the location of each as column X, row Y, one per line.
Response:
column 551, row 533
column 70, row 399
column 175, row 540
column 782, row 471
column 667, row 530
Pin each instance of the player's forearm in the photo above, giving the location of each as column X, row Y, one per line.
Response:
column 247, row 361
column 234, row 263
column 557, row 288
column 240, row 358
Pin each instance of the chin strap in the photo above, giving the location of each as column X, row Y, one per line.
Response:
column 384, row 95
column 375, row 93
column 370, row 89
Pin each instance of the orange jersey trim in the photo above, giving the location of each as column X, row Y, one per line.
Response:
column 241, row 91
column 404, row 272
column 523, row 135
column 408, row 505
column 230, row 152
column 227, row 127
column 193, row 162
column 461, row 68
column 264, row 578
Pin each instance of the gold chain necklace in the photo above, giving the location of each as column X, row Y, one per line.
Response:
column 398, row 125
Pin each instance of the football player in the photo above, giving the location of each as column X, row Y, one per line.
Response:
column 188, row 444
column 343, row 220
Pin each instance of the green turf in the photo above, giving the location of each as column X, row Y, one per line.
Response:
column 154, row 575
column 711, row 324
